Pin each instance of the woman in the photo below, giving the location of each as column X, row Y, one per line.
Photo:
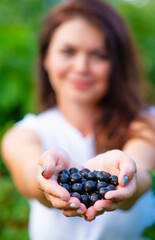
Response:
column 92, row 116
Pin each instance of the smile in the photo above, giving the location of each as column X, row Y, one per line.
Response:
column 81, row 84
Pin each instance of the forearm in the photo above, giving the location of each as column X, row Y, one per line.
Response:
column 144, row 182
column 21, row 150
column 143, row 154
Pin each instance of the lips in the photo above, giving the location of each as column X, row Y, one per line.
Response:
column 81, row 84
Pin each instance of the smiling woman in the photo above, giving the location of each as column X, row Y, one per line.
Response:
column 77, row 63
column 89, row 83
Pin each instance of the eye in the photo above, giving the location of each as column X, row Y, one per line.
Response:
column 100, row 55
column 67, row 51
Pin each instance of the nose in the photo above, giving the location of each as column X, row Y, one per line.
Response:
column 81, row 63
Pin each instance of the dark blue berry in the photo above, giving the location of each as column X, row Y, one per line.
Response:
column 85, row 200
column 113, row 180
column 65, row 171
column 111, row 187
column 102, row 191
column 83, row 173
column 63, row 178
column 77, row 187
column 75, row 177
column 67, row 186
column 83, row 181
column 86, row 170
column 102, row 176
column 93, row 198
column 76, row 194
column 91, row 176
column 73, row 170
column 90, row 186
column 101, row 184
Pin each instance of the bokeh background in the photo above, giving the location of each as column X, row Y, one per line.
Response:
column 20, row 23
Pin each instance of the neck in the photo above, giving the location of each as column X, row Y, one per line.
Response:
column 80, row 116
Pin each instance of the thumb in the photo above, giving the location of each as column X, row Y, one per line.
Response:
column 47, row 165
column 53, row 161
column 127, row 170
column 47, row 171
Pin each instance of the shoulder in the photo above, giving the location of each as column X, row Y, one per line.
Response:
column 42, row 123
column 144, row 125
column 45, row 117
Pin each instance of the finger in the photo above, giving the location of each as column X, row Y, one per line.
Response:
column 58, row 203
column 127, row 170
column 52, row 188
column 90, row 213
column 82, row 209
column 70, row 213
column 105, row 205
column 74, row 203
column 46, row 165
column 122, row 193
column 53, row 161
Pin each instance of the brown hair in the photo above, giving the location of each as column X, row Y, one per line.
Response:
column 123, row 100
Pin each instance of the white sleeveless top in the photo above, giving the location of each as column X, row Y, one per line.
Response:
column 49, row 223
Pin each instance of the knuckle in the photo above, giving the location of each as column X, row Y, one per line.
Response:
column 38, row 181
column 54, row 203
column 65, row 213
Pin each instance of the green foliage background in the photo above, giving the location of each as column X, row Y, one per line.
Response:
column 20, row 22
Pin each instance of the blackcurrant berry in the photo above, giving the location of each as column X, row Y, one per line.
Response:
column 93, row 198
column 85, row 200
column 63, row 178
column 91, row 176
column 101, row 184
column 65, row 171
column 113, row 180
column 102, row 192
column 76, row 194
column 102, row 176
column 77, row 187
column 83, row 181
column 67, row 186
column 73, row 170
column 75, row 177
column 86, row 170
column 83, row 173
column 90, row 186
column 111, row 187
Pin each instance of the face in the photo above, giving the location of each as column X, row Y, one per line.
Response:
column 77, row 63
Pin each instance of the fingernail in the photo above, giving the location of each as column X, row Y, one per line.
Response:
column 43, row 170
column 63, row 199
column 111, row 199
column 125, row 179
column 99, row 210
column 72, row 205
column 79, row 211
column 91, row 218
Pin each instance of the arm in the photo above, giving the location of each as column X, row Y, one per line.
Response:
column 144, row 155
column 121, row 163
column 142, row 150
column 23, row 155
column 21, row 150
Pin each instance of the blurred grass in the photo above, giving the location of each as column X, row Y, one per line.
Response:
column 14, row 210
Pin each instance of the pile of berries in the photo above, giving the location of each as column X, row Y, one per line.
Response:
column 86, row 185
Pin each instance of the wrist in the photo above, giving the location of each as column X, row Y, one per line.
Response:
column 143, row 184
column 143, row 181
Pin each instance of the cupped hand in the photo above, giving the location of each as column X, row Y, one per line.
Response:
column 118, row 163
column 51, row 163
